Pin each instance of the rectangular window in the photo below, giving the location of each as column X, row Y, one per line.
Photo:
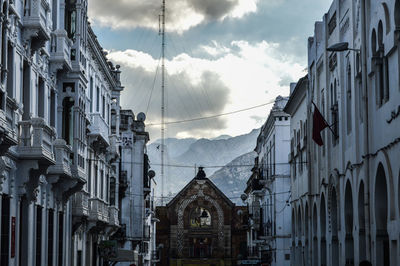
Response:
column 348, row 100
column 97, row 99
column 103, row 113
column 89, row 183
column 26, row 91
column 38, row 235
column 102, row 184
column 91, row 93
column 23, row 231
column 50, row 237
column 96, row 181
column 60, row 238
column 107, row 188
column 41, row 97
column 5, row 229
column 79, row 258
column 54, row 10
column 10, row 75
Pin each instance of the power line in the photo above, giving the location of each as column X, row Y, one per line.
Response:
column 211, row 116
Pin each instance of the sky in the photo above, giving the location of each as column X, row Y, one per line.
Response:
column 221, row 56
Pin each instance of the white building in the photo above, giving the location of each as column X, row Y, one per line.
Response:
column 352, row 209
column 59, row 132
column 137, row 210
column 296, row 107
column 268, row 191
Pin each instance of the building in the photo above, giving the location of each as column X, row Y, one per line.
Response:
column 296, row 107
column 135, row 191
column 351, row 208
column 59, row 126
column 268, row 191
column 201, row 226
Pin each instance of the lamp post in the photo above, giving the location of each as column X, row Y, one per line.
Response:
column 341, row 47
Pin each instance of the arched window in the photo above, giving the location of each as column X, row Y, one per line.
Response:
column 373, row 42
column 381, row 69
column 200, row 217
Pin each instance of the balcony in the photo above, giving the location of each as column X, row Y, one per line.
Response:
column 62, row 155
column 98, row 210
column 36, row 141
column 8, row 132
column 98, row 133
column 34, row 21
column 113, row 149
column 113, row 216
column 35, row 152
column 60, row 50
column 59, row 175
column 80, row 204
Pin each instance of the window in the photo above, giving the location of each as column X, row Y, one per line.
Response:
column 10, row 75
column 91, row 94
column 380, row 62
column 26, row 91
column 102, row 184
column 68, row 120
column 5, row 229
column 41, row 97
column 97, row 99
column 96, row 181
column 112, row 191
column 348, row 100
column 60, row 238
column 70, row 18
column 54, row 10
column 334, row 113
column 103, row 110
column 200, row 217
column 89, row 182
column 38, row 235
column 50, row 237
column 52, row 108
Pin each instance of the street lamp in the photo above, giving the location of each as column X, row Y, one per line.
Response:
column 341, row 47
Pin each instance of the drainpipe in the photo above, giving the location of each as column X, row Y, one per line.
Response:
column 366, row 131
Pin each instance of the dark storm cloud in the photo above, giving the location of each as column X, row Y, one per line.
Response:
column 184, row 100
column 212, row 9
column 181, row 14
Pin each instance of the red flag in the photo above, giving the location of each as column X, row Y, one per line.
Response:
column 319, row 124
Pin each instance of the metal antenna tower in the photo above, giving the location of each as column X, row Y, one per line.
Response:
column 162, row 98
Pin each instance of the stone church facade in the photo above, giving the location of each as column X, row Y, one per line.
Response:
column 201, row 226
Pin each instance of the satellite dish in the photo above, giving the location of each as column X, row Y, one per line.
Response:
column 151, row 174
column 141, row 117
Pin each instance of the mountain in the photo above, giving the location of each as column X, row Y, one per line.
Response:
column 232, row 178
column 222, row 137
column 182, row 156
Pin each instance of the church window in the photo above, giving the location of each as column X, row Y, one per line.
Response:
column 200, row 217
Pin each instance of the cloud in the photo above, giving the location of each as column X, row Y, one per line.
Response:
column 244, row 75
column 181, row 14
column 187, row 93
